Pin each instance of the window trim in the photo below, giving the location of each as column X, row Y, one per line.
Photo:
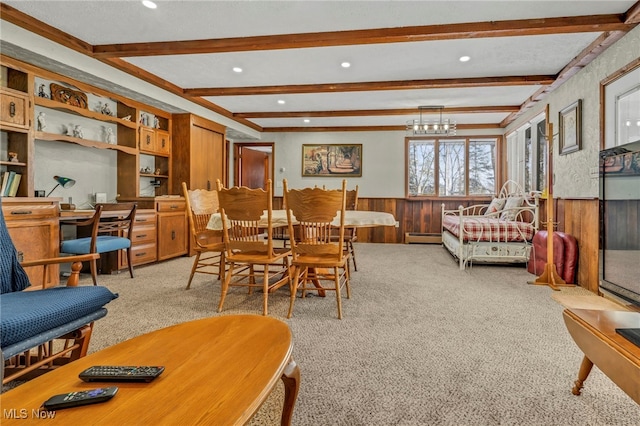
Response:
column 500, row 155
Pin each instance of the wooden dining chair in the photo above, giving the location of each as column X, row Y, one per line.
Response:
column 252, row 259
column 350, row 235
column 317, row 257
column 208, row 244
column 110, row 228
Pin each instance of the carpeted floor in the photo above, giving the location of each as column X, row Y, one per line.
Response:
column 421, row 343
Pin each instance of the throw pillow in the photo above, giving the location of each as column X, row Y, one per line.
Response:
column 510, row 208
column 495, row 206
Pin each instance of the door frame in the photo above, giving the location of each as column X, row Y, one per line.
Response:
column 237, row 159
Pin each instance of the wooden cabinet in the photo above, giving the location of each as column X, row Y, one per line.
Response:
column 143, row 239
column 33, row 226
column 198, row 147
column 172, row 227
column 14, row 109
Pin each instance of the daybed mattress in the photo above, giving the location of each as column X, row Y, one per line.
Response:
column 491, row 229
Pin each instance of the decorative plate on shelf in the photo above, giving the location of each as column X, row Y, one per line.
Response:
column 68, row 96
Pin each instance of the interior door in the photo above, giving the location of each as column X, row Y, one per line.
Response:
column 253, row 164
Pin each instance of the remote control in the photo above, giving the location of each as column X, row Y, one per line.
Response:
column 75, row 399
column 115, row 373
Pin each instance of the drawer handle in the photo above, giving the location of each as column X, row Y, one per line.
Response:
column 141, row 236
column 173, row 206
column 173, row 235
column 163, row 142
column 141, row 254
column 12, row 109
column 148, row 140
column 25, row 212
column 141, row 220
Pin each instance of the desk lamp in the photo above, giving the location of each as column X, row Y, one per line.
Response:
column 64, row 181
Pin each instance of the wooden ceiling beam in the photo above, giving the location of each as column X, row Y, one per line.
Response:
column 447, row 83
column 632, row 16
column 377, row 112
column 510, row 28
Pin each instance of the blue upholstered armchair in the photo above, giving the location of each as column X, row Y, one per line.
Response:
column 30, row 320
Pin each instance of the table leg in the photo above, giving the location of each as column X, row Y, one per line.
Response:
column 585, row 369
column 291, row 380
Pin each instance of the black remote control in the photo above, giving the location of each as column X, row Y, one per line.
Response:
column 116, row 373
column 75, row 399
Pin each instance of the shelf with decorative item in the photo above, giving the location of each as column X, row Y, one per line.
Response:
column 152, row 175
column 43, row 136
column 83, row 112
column 13, row 163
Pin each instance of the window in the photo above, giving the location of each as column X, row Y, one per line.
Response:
column 526, row 155
column 451, row 167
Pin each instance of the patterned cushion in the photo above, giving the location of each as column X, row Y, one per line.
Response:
column 510, row 208
column 496, row 205
column 26, row 314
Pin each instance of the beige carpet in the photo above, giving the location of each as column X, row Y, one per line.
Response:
column 420, row 343
column 580, row 298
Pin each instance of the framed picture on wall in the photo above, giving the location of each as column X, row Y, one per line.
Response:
column 570, row 119
column 332, row 160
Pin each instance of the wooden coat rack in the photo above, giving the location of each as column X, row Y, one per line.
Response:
column 550, row 275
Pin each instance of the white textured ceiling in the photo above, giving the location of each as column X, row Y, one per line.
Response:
column 112, row 22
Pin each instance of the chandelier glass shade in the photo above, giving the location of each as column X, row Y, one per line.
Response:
column 431, row 126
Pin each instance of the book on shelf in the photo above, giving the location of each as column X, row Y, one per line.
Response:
column 5, row 180
column 15, row 184
column 10, row 183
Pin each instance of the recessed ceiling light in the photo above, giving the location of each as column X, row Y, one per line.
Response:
column 149, row 4
column 237, row 69
column 281, row 101
column 345, row 64
column 306, row 120
column 464, row 58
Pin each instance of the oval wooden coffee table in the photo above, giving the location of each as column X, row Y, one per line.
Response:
column 217, row 371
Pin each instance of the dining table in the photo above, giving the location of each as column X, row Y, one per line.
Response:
column 352, row 218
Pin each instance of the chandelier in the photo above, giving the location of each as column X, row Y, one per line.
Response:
column 424, row 126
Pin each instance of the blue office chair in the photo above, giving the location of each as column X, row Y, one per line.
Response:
column 111, row 227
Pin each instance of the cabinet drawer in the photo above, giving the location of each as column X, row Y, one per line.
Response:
column 147, row 139
column 171, row 206
column 143, row 253
column 35, row 211
column 162, row 142
column 14, row 109
column 143, row 234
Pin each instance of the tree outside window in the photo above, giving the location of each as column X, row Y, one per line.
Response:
column 463, row 166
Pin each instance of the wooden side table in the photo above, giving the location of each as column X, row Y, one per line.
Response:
column 594, row 331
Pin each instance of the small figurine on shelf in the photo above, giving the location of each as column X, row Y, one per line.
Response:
column 77, row 132
column 106, row 110
column 42, row 124
column 110, row 138
column 157, row 172
column 127, row 117
column 41, row 92
column 13, row 157
column 156, row 123
column 69, row 130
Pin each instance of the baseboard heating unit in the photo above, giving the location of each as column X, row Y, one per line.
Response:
column 420, row 238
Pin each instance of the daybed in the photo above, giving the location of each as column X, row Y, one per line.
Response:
column 499, row 232
column 42, row 329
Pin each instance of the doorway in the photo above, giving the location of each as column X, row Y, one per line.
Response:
column 253, row 164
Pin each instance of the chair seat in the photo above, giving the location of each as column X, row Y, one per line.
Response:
column 259, row 258
column 319, row 261
column 25, row 314
column 104, row 243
